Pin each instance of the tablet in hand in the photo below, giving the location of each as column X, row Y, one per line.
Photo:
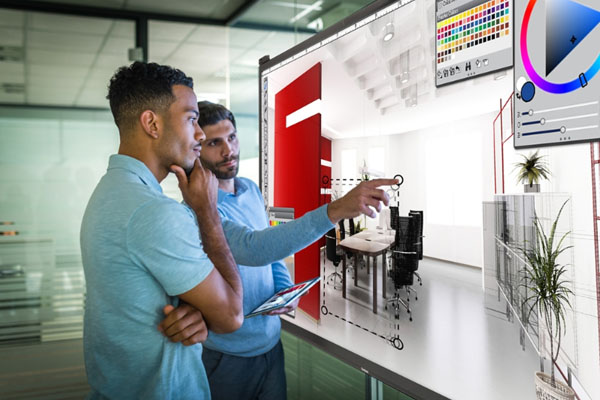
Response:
column 284, row 297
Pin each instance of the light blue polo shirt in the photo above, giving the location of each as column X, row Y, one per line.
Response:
column 258, row 334
column 140, row 249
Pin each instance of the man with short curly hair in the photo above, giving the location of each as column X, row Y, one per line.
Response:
column 141, row 249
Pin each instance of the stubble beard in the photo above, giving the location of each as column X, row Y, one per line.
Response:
column 220, row 174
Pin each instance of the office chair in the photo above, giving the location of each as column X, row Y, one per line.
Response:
column 418, row 214
column 342, row 229
column 394, row 213
column 349, row 255
column 333, row 255
column 405, row 261
column 351, row 225
column 409, row 240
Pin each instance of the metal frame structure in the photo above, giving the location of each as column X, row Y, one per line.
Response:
column 595, row 164
column 502, row 140
column 595, row 170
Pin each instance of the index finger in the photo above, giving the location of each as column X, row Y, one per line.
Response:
column 197, row 165
column 382, row 182
column 180, row 174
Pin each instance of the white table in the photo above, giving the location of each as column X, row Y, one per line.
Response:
column 376, row 236
column 369, row 248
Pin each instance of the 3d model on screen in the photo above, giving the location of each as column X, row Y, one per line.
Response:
column 388, row 92
column 557, row 57
column 301, row 153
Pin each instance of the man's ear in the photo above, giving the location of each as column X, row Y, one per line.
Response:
column 150, row 123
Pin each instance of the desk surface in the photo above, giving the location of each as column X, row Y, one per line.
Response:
column 376, row 236
column 354, row 243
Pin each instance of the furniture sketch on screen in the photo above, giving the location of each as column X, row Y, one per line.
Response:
column 333, row 254
column 508, row 228
column 368, row 248
column 405, row 261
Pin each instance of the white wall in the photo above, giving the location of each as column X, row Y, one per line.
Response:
column 443, row 175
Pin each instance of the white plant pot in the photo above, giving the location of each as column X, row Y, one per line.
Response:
column 545, row 391
column 533, row 188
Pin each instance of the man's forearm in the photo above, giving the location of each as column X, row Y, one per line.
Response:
column 216, row 247
column 258, row 248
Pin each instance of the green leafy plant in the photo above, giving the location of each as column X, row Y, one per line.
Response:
column 547, row 289
column 359, row 227
column 532, row 169
column 364, row 172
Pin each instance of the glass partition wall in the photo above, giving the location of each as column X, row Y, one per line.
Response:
column 55, row 136
column 246, row 47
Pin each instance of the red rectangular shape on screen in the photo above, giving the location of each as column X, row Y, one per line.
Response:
column 297, row 172
column 325, row 177
column 325, row 148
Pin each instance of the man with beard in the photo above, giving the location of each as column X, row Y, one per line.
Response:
column 248, row 363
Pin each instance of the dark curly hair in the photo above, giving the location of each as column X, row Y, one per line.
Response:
column 212, row 113
column 143, row 86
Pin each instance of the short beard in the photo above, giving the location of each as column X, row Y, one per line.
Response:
column 219, row 173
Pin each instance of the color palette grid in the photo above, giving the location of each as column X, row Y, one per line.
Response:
column 478, row 25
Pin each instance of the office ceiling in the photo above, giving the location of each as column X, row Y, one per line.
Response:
column 218, row 10
column 281, row 13
column 53, row 59
column 374, row 87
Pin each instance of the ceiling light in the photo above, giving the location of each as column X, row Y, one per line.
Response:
column 388, row 32
column 316, row 6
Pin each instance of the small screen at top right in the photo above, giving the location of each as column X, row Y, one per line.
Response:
column 473, row 37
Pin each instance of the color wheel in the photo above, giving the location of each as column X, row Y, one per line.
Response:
column 590, row 19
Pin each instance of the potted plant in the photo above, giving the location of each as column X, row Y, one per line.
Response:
column 548, row 292
column 364, row 172
column 531, row 170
